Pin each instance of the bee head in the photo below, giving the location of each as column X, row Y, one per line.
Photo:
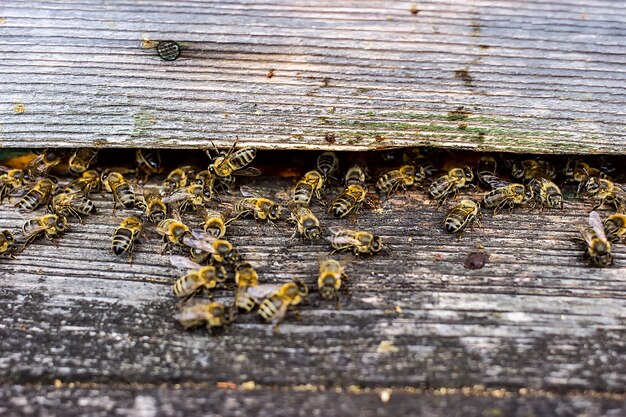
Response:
column 303, row 290
column 376, row 244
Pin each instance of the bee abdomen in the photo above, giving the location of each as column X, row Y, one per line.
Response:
column 30, row 201
column 122, row 239
column 126, row 196
column 303, row 193
column 245, row 302
column 243, row 157
column 268, row 310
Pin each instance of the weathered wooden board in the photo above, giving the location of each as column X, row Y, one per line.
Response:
column 482, row 74
column 535, row 317
column 145, row 401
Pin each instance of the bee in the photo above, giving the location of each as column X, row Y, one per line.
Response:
column 178, row 178
column 259, row 207
column 176, row 233
column 48, row 225
column 155, row 209
column 349, row 200
column 7, row 244
column 529, row 169
column 581, row 173
column 234, row 162
column 148, row 162
column 195, row 195
column 81, row 159
column 39, row 194
column 221, row 250
column 460, row 216
column 124, row 237
column 615, row 227
column 598, row 247
column 311, row 184
column 451, row 183
column 89, row 181
column 359, row 242
column 214, row 223
column 327, row 164
column 275, row 306
column 10, row 180
column 213, row 315
column 198, row 278
column 246, row 277
column 115, row 183
column 68, row 204
column 546, row 193
column 423, row 165
column 486, row 170
column 43, row 163
column 511, row 195
column 397, row 179
column 355, row 176
column 605, row 191
column 307, row 225
column 329, row 280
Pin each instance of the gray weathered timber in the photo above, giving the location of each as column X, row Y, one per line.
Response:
column 545, row 77
column 535, row 317
column 139, row 400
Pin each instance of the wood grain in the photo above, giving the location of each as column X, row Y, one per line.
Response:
column 542, row 77
column 535, row 317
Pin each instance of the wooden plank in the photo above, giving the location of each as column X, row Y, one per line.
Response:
column 141, row 400
column 481, row 74
column 535, row 317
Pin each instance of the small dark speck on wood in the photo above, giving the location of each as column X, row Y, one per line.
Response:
column 464, row 75
column 476, row 260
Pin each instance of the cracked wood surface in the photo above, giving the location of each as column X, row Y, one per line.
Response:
column 533, row 76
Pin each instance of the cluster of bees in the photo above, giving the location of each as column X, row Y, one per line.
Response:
column 208, row 258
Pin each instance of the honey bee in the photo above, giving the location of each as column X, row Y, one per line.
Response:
column 68, row 204
column 311, row 184
column 460, row 216
column 195, row 195
column 234, row 162
column 221, row 250
column 275, row 306
column 451, row 183
column 7, row 244
column 246, row 277
column 175, row 233
column 124, row 237
column 529, row 169
column 178, row 178
column 423, row 165
column 546, row 193
column 615, row 227
column 329, row 280
column 307, row 225
column 356, row 175
column 511, row 195
column 89, row 181
column 39, row 194
column 48, row 225
column 397, row 179
column 115, row 183
column 605, row 191
column 10, row 180
column 598, row 247
column 43, row 163
column 81, row 159
column 486, row 170
column 155, row 209
column 148, row 162
column 254, row 205
column 359, row 242
column 581, row 173
column 198, row 277
column 327, row 164
column 214, row 223
column 213, row 315
column 349, row 200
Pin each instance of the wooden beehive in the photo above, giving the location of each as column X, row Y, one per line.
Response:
column 523, row 333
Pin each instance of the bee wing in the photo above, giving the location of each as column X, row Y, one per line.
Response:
column 247, row 172
column 586, row 235
column 203, row 236
column 177, row 195
column 282, row 312
column 596, row 224
column 342, row 236
column 20, row 191
column 181, row 262
column 191, row 314
column 248, row 192
column 494, row 181
column 263, row 290
column 199, row 244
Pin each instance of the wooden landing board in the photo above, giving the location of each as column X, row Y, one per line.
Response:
column 534, row 76
column 534, row 317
